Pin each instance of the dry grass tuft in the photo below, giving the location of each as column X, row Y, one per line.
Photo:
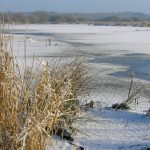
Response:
column 133, row 95
column 29, row 115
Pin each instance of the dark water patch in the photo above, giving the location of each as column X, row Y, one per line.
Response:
column 34, row 34
column 139, row 64
column 56, row 55
column 90, row 54
column 128, row 73
column 142, row 56
column 77, row 44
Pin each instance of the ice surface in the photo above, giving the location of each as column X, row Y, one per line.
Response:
column 104, row 129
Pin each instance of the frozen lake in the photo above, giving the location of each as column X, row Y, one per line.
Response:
column 125, row 46
column 113, row 54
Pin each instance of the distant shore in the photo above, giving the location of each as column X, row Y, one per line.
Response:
column 133, row 24
column 105, row 19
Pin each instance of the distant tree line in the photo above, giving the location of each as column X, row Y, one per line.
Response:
column 40, row 17
column 52, row 17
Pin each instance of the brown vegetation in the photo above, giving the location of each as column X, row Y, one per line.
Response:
column 31, row 113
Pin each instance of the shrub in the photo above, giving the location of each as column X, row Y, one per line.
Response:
column 122, row 106
column 148, row 113
column 133, row 92
column 29, row 115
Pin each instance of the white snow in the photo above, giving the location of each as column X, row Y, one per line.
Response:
column 104, row 129
column 133, row 39
column 111, row 130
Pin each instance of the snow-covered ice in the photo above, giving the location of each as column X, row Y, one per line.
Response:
column 104, row 129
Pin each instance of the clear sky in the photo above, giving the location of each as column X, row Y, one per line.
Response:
column 76, row 5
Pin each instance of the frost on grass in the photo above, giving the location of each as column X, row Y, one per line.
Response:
column 35, row 108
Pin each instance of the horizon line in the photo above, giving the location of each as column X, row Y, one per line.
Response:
column 63, row 12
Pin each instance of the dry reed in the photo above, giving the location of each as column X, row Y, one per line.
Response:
column 31, row 115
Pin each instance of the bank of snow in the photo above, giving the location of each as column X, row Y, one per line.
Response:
column 102, row 129
column 108, row 129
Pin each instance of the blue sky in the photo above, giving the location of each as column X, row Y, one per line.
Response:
column 76, row 5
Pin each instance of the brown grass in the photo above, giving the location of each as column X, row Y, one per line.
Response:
column 29, row 115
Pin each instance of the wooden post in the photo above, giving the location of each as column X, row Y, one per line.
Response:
column 49, row 41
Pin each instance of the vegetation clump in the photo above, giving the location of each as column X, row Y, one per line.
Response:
column 133, row 94
column 30, row 114
column 122, row 106
column 88, row 106
column 148, row 113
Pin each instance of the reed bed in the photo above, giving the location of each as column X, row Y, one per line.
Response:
column 30, row 114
